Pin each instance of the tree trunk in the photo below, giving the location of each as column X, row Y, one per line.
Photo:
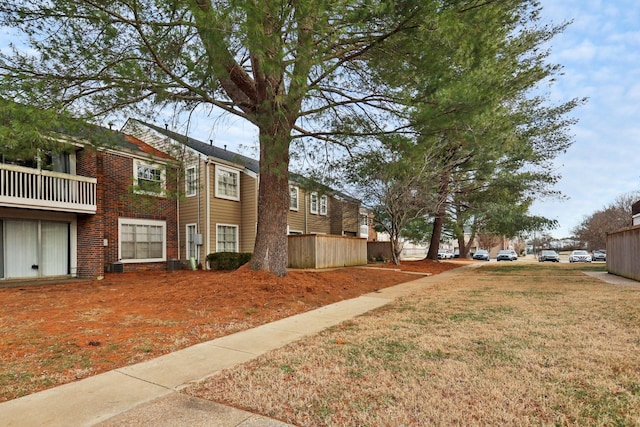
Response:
column 438, row 222
column 434, row 245
column 462, row 247
column 396, row 249
column 270, row 252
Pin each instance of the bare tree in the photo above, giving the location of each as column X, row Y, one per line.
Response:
column 397, row 190
column 617, row 215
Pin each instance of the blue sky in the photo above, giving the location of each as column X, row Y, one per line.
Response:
column 600, row 52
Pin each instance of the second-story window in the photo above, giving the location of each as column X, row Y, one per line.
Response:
column 191, row 181
column 323, row 205
column 227, row 183
column 148, row 178
column 293, row 197
column 313, row 203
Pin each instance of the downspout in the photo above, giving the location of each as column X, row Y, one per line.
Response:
column 207, row 209
column 306, row 212
column 178, row 213
column 198, row 209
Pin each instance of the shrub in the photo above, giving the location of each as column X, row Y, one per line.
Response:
column 228, row 260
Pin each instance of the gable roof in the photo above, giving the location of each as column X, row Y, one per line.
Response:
column 206, row 149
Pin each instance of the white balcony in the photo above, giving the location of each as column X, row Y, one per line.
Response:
column 22, row 187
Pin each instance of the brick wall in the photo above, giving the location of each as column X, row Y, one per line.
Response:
column 114, row 200
column 90, row 227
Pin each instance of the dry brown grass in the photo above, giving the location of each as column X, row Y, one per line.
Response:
column 516, row 344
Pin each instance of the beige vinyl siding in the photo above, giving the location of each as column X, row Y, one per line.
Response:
column 249, row 217
column 345, row 217
column 317, row 223
column 306, row 222
column 335, row 214
column 189, row 212
column 228, row 212
column 296, row 219
column 296, row 222
column 350, row 217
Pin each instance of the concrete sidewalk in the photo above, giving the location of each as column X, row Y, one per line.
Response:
column 148, row 393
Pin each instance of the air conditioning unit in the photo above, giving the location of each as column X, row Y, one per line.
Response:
column 115, row 267
column 174, row 264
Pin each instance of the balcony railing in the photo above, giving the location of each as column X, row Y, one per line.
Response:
column 40, row 189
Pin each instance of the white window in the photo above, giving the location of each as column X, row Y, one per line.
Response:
column 323, row 205
column 293, row 197
column 227, row 183
column 226, row 238
column 148, row 178
column 142, row 240
column 313, row 203
column 191, row 181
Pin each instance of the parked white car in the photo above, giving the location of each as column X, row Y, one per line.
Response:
column 579, row 256
column 444, row 254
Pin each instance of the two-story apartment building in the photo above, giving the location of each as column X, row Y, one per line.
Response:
column 219, row 209
column 74, row 214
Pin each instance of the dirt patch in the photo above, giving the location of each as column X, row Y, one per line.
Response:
column 54, row 334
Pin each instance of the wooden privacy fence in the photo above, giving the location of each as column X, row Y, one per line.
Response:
column 325, row 251
column 623, row 253
column 379, row 250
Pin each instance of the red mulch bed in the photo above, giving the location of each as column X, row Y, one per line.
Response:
column 54, row 334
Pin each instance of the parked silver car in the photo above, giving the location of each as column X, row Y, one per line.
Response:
column 481, row 254
column 549, row 255
column 599, row 255
column 507, row 255
column 579, row 256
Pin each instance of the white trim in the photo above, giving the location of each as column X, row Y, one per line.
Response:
column 237, row 243
column 297, row 190
column 137, row 221
column 215, row 177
